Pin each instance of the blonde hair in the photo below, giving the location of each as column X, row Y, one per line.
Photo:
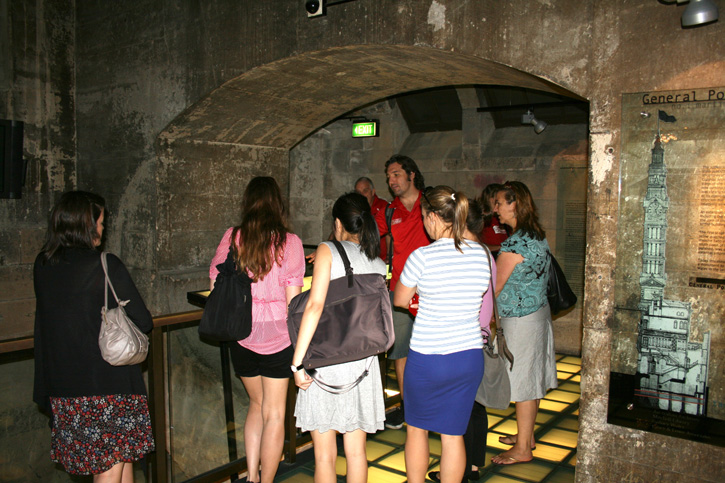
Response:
column 452, row 208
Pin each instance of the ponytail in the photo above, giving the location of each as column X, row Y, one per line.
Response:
column 369, row 236
column 451, row 206
column 458, row 227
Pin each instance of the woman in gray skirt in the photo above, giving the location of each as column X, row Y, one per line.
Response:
column 360, row 410
column 521, row 281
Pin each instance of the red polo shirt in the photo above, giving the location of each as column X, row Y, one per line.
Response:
column 494, row 233
column 408, row 234
column 380, row 205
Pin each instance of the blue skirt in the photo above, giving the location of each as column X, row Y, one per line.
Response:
column 439, row 390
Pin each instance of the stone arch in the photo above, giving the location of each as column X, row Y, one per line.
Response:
column 278, row 104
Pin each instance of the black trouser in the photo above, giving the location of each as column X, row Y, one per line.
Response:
column 475, row 437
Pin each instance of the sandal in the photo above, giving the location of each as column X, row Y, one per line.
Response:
column 511, row 442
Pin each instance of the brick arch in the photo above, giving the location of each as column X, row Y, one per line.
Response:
column 278, row 104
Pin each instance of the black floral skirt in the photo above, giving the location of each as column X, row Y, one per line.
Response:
column 91, row 434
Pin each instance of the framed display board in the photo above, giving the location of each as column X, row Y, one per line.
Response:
column 668, row 362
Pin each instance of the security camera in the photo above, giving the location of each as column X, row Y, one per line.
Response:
column 315, row 8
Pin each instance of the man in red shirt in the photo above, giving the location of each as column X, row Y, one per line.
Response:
column 365, row 187
column 406, row 183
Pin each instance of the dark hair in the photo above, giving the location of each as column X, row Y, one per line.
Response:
column 451, row 206
column 474, row 220
column 263, row 227
column 409, row 167
column 527, row 216
column 486, row 194
column 72, row 223
column 353, row 211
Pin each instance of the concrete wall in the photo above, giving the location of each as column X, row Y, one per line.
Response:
column 142, row 65
column 37, row 87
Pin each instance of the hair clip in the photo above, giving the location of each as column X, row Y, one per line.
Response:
column 453, row 196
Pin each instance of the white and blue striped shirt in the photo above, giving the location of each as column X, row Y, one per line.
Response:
column 451, row 285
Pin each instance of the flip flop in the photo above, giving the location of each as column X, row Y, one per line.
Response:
column 510, row 460
column 510, row 443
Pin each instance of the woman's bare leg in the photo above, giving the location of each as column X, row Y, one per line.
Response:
column 325, row 447
column 417, row 454
column 525, row 419
column 115, row 474
column 356, row 456
column 453, row 458
column 253, row 426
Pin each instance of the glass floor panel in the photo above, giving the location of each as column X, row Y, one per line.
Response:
column 554, row 457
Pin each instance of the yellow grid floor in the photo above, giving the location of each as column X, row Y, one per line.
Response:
column 556, row 433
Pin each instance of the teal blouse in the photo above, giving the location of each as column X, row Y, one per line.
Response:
column 525, row 291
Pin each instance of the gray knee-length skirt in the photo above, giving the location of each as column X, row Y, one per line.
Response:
column 531, row 341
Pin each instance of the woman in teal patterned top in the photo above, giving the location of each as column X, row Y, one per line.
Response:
column 521, row 281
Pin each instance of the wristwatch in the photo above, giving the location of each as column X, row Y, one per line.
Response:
column 296, row 368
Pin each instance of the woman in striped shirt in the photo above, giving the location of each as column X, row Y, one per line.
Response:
column 445, row 364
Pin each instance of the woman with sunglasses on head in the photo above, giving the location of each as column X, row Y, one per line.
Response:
column 445, row 363
column 521, row 282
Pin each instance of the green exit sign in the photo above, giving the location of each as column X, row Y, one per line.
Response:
column 364, row 129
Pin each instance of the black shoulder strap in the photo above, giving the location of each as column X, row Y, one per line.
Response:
column 345, row 261
column 389, row 221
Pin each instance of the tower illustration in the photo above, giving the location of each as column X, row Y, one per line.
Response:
column 671, row 370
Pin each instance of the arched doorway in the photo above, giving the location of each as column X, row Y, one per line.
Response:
column 268, row 122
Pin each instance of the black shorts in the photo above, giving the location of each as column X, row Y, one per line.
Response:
column 250, row 364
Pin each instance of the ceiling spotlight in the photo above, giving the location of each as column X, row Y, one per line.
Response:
column 699, row 12
column 529, row 118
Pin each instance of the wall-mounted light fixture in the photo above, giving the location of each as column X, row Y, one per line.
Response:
column 318, row 8
column 698, row 12
column 315, row 8
column 529, row 118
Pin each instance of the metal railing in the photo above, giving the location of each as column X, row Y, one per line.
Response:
column 159, row 404
column 161, row 461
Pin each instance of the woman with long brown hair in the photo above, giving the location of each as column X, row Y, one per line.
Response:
column 521, row 281
column 274, row 259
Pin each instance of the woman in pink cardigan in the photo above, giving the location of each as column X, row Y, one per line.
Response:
column 274, row 259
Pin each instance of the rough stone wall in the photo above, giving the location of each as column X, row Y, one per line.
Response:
column 140, row 64
column 37, row 86
column 628, row 56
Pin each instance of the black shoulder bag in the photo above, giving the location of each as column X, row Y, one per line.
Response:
column 356, row 321
column 560, row 295
column 389, row 221
column 228, row 310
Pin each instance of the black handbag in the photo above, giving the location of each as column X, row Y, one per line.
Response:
column 558, row 291
column 356, row 321
column 228, row 310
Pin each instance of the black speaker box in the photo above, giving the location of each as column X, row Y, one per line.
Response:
column 12, row 167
